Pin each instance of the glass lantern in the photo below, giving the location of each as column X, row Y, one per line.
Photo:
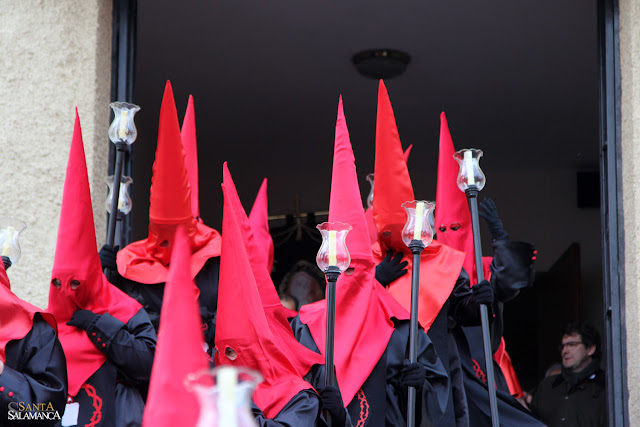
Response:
column 333, row 252
column 417, row 228
column 470, row 174
column 122, row 128
column 124, row 200
column 10, row 229
column 370, row 178
column 224, row 394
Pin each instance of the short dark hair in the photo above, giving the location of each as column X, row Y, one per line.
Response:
column 305, row 267
column 588, row 334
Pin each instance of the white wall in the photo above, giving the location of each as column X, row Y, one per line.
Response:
column 56, row 55
column 630, row 67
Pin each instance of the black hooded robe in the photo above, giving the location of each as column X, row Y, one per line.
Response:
column 35, row 371
column 371, row 407
column 113, row 395
column 511, row 270
column 303, row 410
column 150, row 297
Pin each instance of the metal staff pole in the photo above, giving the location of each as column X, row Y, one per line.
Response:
column 416, row 247
column 417, row 235
column 472, row 197
column 332, row 273
column 333, row 258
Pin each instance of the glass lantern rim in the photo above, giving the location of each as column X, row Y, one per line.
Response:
column 408, row 203
column 19, row 225
column 124, row 106
column 334, row 226
column 190, row 380
column 460, row 153
column 124, row 180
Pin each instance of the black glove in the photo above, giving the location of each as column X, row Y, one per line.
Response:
column 332, row 403
column 489, row 212
column 390, row 269
column 108, row 257
column 413, row 375
column 7, row 262
column 83, row 319
column 483, row 292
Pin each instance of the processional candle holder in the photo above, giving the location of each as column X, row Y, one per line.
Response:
column 122, row 133
column 471, row 181
column 10, row 229
column 333, row 258
column 371, row 179
column 417, row 234
column 224, row 394
column 124, row 199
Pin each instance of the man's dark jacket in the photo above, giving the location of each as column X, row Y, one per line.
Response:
column 559, row 403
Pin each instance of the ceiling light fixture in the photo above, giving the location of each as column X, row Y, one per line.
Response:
column 381, row 63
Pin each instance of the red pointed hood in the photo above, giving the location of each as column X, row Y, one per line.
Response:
column 170, row 199
column 179, row 349
column 452, row 216
column 191, row 154
column 392, row 182
column 259, row 219
column 438, row 263
column 358, row 302
column 277, row 316
column 243, row 337
column 76, row 259
column 368, row 213
column 407, row 153
column 147, row 261
column 16, row 315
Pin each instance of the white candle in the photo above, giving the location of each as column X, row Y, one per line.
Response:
column 124, row 118
column 7, row 242
column 333, row 248
column 468, row 161
column 417, row 231
column 227, row 380
column 123, row 194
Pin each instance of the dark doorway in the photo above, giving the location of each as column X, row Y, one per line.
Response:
column 520, row 81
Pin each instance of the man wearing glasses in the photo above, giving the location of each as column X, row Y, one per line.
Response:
column 576, row 396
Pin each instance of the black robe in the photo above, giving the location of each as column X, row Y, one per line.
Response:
column 510, row 272
column 303, row 410
column 510, row 411
column 455, row 309
column 35, row 371
column 381, row 401
column 150, row 297
column 114, row 394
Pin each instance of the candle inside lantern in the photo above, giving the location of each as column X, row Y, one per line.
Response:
column 124, row 117
column 227, row 382
column 468, row 161
column 417, row 231
column 333, row 248
column 122, row 197
column 7, row 243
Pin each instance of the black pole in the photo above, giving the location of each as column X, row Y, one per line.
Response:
column 332, row 273
column 416, row 247
column 117, row 177
column 472, row 197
